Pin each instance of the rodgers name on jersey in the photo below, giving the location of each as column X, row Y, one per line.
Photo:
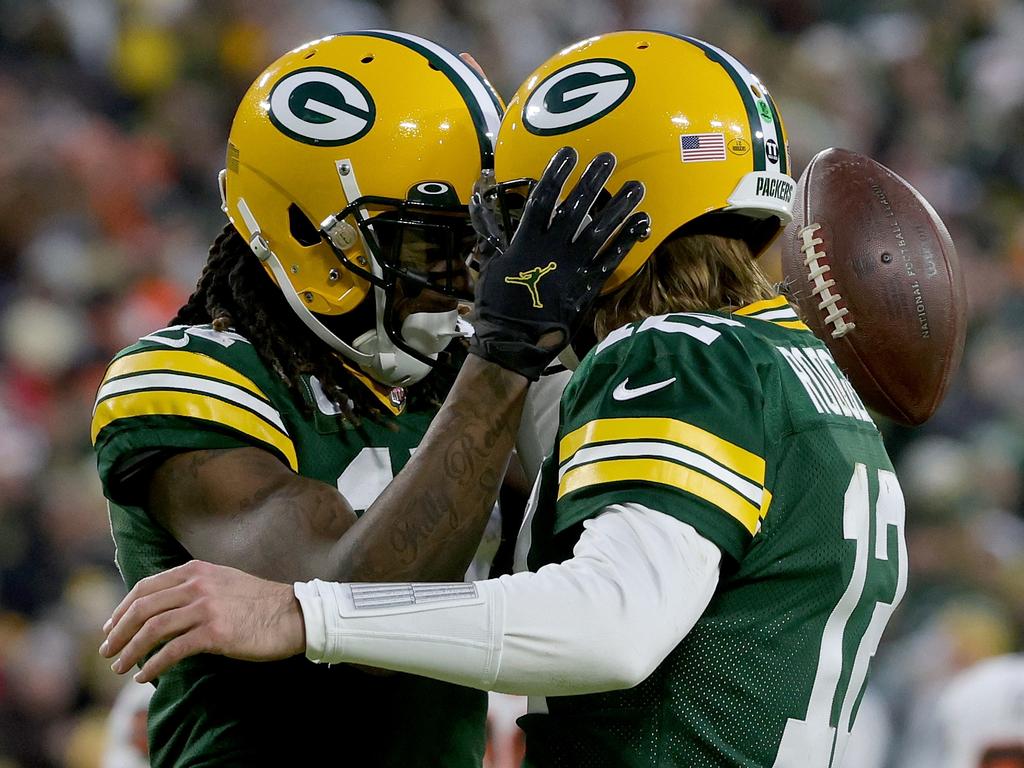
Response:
column 193, row 388
column 740, row 425
column 828, row 389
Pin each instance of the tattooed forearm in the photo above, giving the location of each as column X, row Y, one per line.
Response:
column 427, row 523
column 421, row 519
column 243, row 507
column 459, row 459
column 291, row 538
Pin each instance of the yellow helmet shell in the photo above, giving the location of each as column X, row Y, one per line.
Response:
column 685, row 118
column 399, row 112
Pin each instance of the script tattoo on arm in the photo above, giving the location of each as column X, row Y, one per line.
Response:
column 427, row 523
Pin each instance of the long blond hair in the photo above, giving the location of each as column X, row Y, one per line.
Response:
column 686, row 273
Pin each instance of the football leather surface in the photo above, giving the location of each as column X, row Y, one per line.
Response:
column 874, row 273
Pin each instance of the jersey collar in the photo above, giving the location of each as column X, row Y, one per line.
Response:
column 776, row 310
column 392, row 398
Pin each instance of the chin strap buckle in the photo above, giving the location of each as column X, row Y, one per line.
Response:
column 257, row 242
column 260, row 247
column 342, row 234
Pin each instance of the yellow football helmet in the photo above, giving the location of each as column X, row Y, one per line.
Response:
column 350, row 165
column 685, row 118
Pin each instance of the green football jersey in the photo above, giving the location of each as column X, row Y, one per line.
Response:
column 188, row 388
column 740, row 425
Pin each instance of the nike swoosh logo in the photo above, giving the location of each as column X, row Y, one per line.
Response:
column 176, row 343
column 623, row 392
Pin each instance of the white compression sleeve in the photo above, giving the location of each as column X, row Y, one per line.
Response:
column 604, row 619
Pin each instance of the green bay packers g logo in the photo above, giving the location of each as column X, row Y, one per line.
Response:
column 577, row 95
column 321, row 106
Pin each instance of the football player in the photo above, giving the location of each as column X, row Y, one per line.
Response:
column 716, row 542
column 269, row 427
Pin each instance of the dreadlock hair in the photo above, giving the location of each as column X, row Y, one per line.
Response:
column 235, row 292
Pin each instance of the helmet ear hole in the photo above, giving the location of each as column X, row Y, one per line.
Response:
column 301, row 228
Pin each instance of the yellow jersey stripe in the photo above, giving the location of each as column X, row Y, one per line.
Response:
column 796, row 325
column 180, row 382
column 650, row 449
column 729, row 455
column 181, row 361
column 776, row 302
column 766, row 501
column 196, row 406
column 664, row 473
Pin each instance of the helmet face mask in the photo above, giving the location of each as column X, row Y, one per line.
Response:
column 418, row 265
column 349, row 171
column 508, row 200
column 413, row 242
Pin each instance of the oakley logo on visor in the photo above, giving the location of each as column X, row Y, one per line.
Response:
column 577, row 95
column 321, row 106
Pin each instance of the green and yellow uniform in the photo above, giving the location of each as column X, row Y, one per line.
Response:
column 740, row 425
column 193, row 388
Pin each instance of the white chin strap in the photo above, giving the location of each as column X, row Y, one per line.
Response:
column 426, row 332
column 259, row 246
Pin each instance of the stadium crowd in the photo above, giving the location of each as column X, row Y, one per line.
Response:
column 113, row 118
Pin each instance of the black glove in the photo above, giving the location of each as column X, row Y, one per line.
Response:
column 533, row 292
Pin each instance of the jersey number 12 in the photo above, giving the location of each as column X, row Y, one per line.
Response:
column 819, row 740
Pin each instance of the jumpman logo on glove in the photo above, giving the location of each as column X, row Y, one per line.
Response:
column 530, row 278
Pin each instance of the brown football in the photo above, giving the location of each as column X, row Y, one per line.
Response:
column 875, row 275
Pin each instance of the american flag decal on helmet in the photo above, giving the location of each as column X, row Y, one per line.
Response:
column 702, row 147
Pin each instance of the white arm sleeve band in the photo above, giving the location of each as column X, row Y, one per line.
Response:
column 602, row 620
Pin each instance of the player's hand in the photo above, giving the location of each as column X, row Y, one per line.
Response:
column 534, row 290
column 203, row 608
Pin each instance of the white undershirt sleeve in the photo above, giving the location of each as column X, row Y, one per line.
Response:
column 539, row 424
column 636, row 584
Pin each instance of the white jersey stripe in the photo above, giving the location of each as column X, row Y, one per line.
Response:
column 710, row 319
column 741, row 485
column 182, row 382
column 776, row 314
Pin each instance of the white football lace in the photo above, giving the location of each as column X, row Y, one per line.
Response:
column 823, row 286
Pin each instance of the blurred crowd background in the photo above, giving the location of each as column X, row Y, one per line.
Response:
column 113, row 121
